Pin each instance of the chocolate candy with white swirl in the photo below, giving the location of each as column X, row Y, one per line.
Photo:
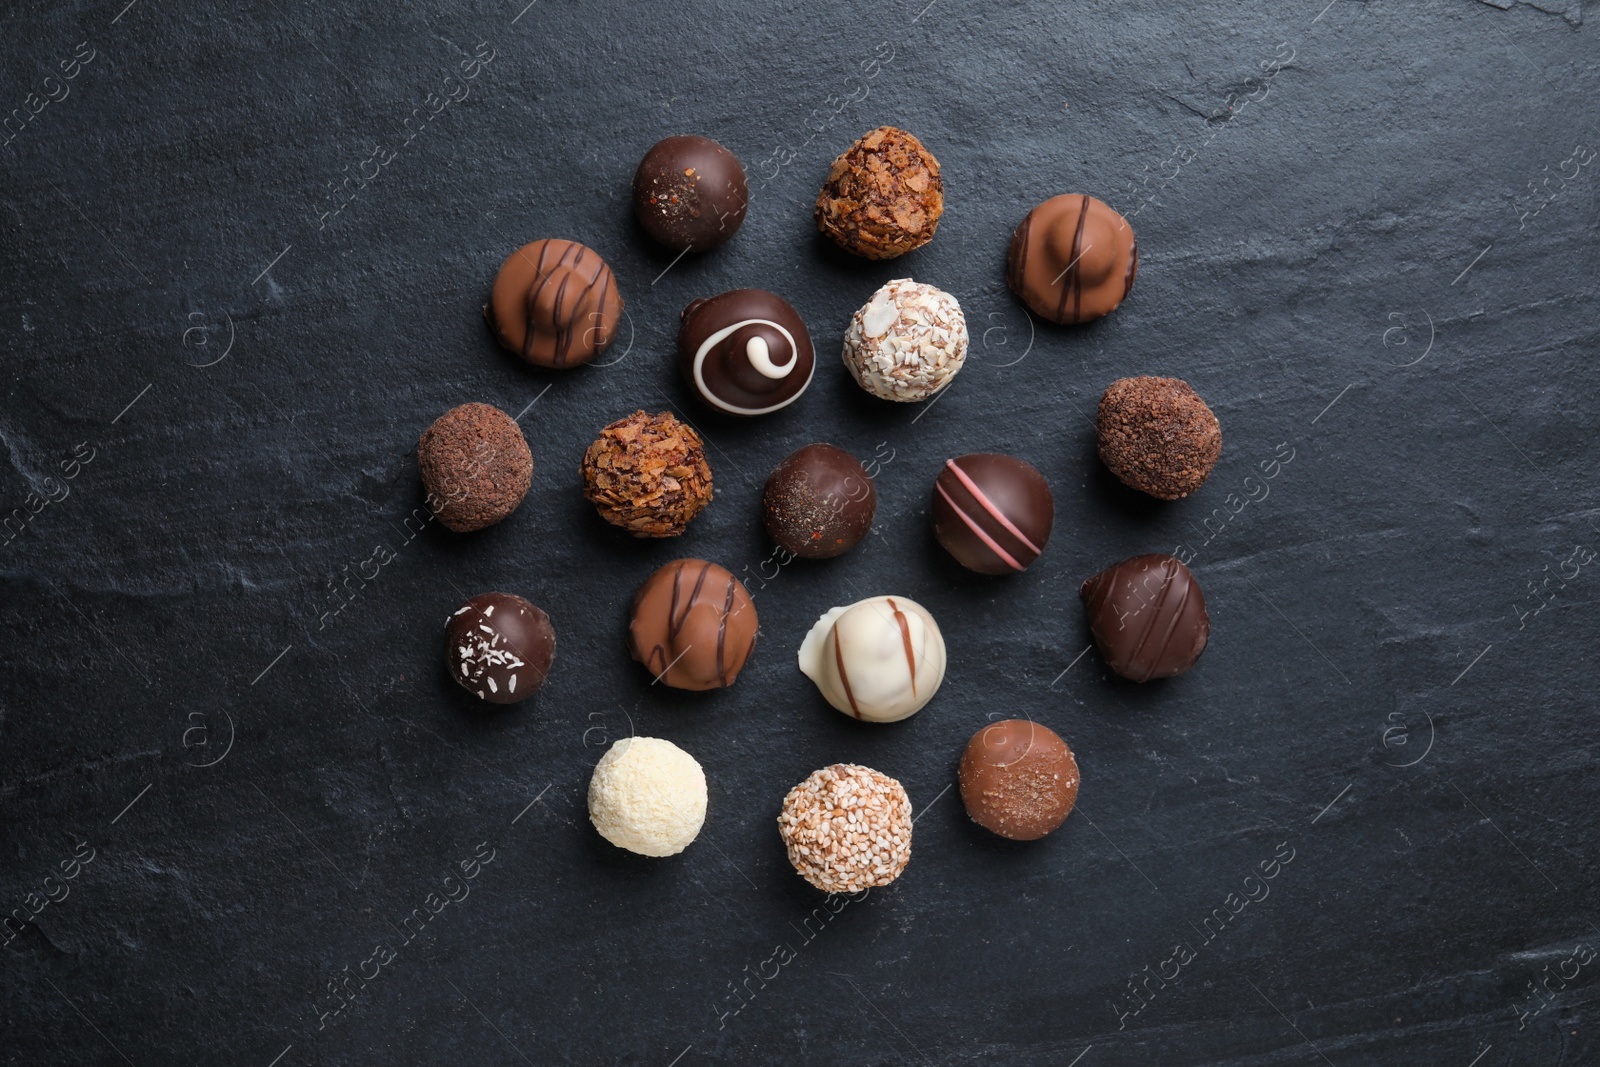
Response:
column 745, row 352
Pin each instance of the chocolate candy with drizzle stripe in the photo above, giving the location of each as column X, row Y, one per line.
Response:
column 694, row 625
column 879, row 659
column 992, row 513
column 745, row 352
column 1147, row 616
column 1072, row 259
column 555, row 304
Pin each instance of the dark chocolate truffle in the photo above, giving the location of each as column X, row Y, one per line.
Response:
column 992, row 513
column 745, row 352
column 1018, row 779
column 475, row 465
column 1147, row 616
column 1157, row 435
column 500, row 647
column 689, row 193
column 555, row 304
column 647, row 474
column 1072, row 259
column 694, row 625
column 883, row 196
column 819, row 502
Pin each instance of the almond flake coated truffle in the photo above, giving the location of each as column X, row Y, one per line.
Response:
column 1157, row 435
column 475, row 465
column 648, row 796
column 847, row 828
column 907, row 342
column 647, row 474
column 883, row 196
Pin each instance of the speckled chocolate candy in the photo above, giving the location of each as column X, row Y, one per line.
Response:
column 499, row 647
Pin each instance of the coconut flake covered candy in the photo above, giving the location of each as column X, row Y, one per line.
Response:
column 907, row 342
column 648, row 796
column 847, row 828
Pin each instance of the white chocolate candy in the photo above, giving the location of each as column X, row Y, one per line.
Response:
column 879, row 659
column 648, row 796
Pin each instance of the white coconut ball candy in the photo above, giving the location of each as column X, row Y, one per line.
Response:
column 907, row 342
column 879, row 659
column 648, row 796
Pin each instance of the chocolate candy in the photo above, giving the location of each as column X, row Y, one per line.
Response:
column 883, row 196
column 647, row 474
column 745, row 352
column 879, row 659
column 1072, row 259
column 694, row 625
column 1018, row 779
column 689, row 193
column 907, row 342
column 500, row 647
column 555, row 304
column 1147, row 617
column 819, row 502
column 1157, row 435
column 475, row 465
column 847, row 828
column 992, row 513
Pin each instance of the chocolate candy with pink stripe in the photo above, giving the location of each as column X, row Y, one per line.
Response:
column 1147, row 616
column 992, row 513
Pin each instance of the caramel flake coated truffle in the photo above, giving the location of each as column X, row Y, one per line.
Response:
column 907, row 342
column 694, row 625
column 1018, row 779
column 476, row 466
column 847, row 828
column 647, row 474
column 648, row 796
column 1072, row 259
column 883, row 196
column 1157, row 436
column 1147, row 616
column 555, row 303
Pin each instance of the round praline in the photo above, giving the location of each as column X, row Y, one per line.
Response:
column 647, row 474
column 689, row 193
column 907, row 342
column 880, row 659
column 499, row 647
column 1072, row 259
column 819, row 502
column 1157, row 436
column 555, row 303
column 993, row 513
column 475, row 466
column 694, row 625
column 1018, row 779
column 1148, row 616
column 745, row 352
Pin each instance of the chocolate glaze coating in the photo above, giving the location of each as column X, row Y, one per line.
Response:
column 475, row 465
column 992, row 513
column 745, row 352
column 819, row 502
column 1147, row 616
column 690, row 193
column 1072, row 259
column 1018, row 779
column 499, row 647
column 555, row 303
column 694, row 625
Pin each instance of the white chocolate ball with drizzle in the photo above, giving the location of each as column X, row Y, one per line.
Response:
column 879, row 659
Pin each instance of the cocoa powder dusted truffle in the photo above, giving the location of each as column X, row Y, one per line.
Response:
column 1157, row 435
column 883, row 196
column 847, row 828
column 475, row 465
column 647, row 474
column 1018, row 779
column 907, row 342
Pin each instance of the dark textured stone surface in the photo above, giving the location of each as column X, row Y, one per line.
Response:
column 174, row 609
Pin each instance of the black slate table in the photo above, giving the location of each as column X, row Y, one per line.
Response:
column 246, row 247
